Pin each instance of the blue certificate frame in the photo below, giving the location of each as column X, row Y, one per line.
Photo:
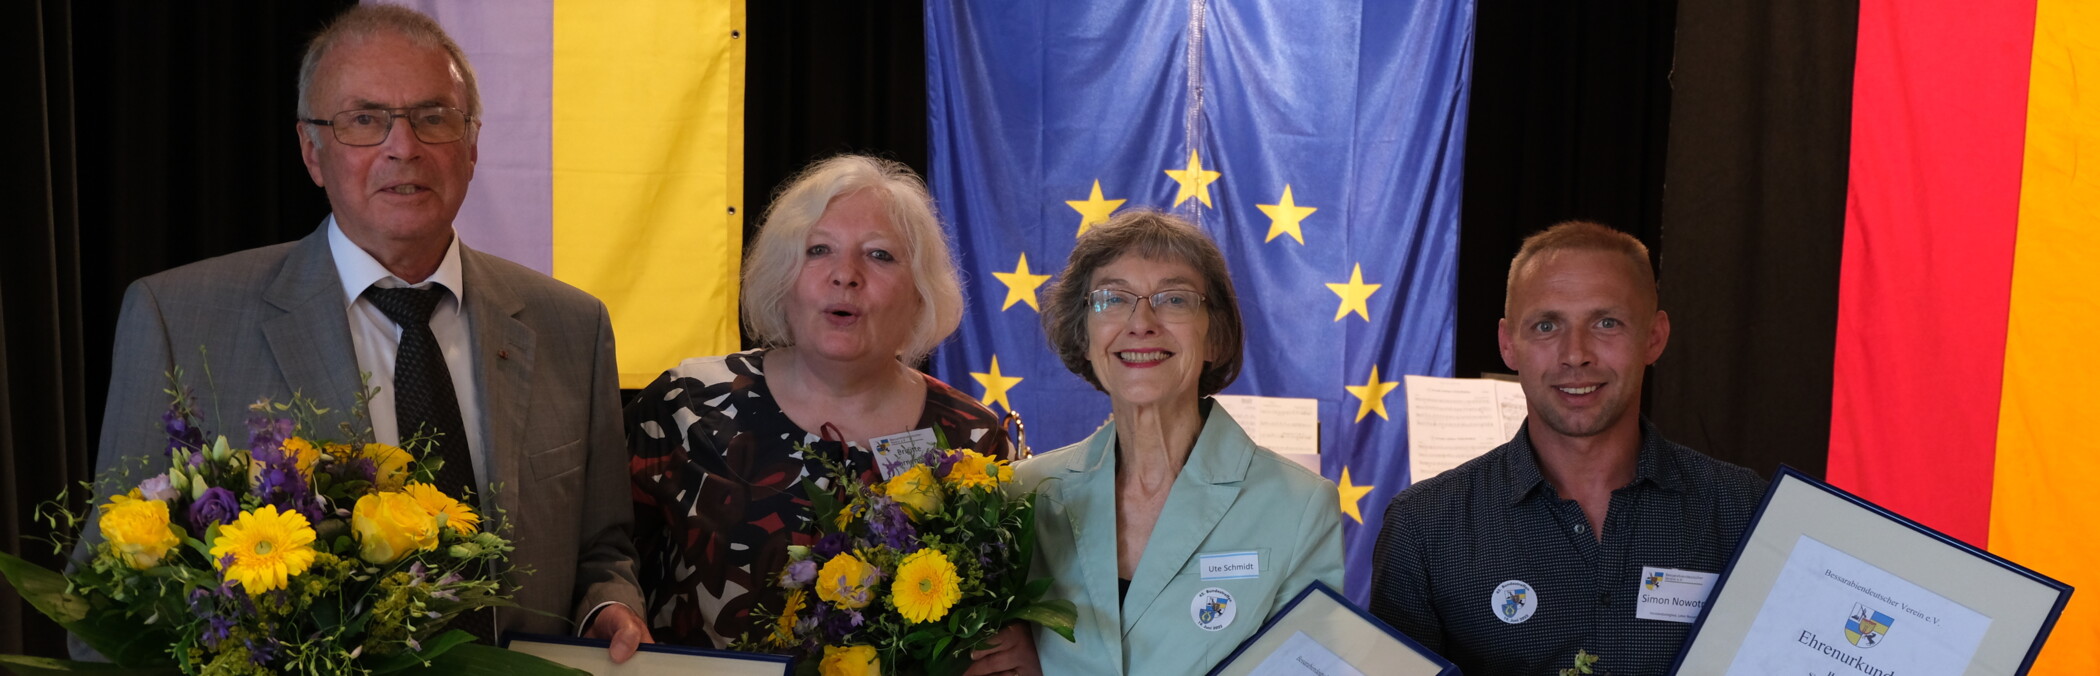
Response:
column 1284, row 618
column 686, row 656
column 1800, row 514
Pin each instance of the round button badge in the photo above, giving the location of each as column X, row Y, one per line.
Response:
column 1213, row 609
column 1514, row 601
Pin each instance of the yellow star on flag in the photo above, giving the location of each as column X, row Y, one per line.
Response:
column 1284, row 217
column 1093, row 210
column 1355, row 295
column 1372, row 393
column 1020, row 285
column 1195, row 182
column 1352, row 494
column 996, row 384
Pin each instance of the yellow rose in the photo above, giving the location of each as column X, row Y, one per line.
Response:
column 391, row 464
column 304, row 453
column 977, row 470
column 845, row 581
column 450, row 513
column 137, row 530
column 852, row 660
column 917, row 490
column 389, row 526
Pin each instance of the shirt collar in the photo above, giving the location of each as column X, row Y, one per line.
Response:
column 1655, row 465
column 360, row 271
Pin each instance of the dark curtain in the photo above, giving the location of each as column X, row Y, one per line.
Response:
column 42, row 387
column 1569, row 120
column 1753, row 220
column 157, row 134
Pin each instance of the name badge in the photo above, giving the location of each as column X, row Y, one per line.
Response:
column 1230, row 565
column 1672, row 595
column 898, row 452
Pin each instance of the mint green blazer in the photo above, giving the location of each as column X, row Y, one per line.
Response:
column 1230, row 497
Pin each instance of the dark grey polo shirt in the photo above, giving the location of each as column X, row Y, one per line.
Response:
column 1451, row 541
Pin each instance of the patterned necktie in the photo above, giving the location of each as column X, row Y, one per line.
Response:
column 423, row 396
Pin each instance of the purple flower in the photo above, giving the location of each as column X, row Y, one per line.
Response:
column 217, row 506
column 217, row 631
column 266, row 433
column 890, row 525
column 263, row 651
column 158, row 488
column 358, row 469
column 830, row 545
column 181, row 434
column 798, row 574
column 944, row 463
column 280, row 484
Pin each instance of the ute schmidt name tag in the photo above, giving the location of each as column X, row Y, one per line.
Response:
column 1230, row 565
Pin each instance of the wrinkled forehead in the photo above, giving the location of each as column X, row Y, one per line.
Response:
column 387, row 69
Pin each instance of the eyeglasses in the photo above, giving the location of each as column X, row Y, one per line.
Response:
column 1174, row 305
column 370, row 126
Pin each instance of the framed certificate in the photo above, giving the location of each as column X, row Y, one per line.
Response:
column 1321, row 633
column 1825, row 582
column 589, row 655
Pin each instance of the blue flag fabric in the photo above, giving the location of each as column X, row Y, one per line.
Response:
column 1318, row 143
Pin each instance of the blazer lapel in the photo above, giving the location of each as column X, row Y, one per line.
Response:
column 311, row 341
column 1088, row 495
column 503, row 363
column 1205, row 490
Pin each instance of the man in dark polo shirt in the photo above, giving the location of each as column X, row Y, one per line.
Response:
column 1588, row 531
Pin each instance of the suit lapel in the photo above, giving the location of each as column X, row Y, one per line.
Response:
column 1202, row 493
column 503, row 364
column 311, row 340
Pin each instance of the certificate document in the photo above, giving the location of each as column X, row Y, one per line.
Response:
column 1831, row 613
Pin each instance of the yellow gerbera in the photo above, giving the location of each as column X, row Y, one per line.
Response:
column 977, row 470
column 391, row 464
column 784, row 629
column 451, row 513
column 268, row 547
column 304, row 453
column 137, row 530
column 844, row 581
column 852, row 660
column 926, row 586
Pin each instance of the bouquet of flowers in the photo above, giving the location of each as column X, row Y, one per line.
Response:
column 911, row 574
column 297, row 553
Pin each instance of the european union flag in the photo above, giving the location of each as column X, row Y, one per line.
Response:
column 1318, row 143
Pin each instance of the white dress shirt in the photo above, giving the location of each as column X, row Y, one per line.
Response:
column 377, row 339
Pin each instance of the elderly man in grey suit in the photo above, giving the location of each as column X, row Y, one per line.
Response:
column 517, row 365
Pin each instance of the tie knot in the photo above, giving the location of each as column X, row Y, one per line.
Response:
column 407, row 306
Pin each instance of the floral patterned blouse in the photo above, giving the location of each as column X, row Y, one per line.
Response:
column 718, row 489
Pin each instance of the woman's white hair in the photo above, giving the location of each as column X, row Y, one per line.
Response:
column 776, row 258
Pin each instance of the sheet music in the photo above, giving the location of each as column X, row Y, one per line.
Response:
column 1452, row 420
column 1288, row 426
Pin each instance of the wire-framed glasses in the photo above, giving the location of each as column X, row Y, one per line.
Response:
column 370, row 126
column 1174, row 305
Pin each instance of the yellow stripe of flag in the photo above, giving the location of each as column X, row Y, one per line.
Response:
column 647, row 158
column 2042, row 508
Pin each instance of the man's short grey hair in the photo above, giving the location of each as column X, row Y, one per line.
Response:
column 776, row 258
column 366, row 20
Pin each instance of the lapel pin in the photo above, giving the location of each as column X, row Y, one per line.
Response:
column 502, row 354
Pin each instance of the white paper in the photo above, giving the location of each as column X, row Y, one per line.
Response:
column 1452, row 420
column 1302, row 656
column 898, row 452
column 1809, row 622
column 1288, row 426
column 1671, row 595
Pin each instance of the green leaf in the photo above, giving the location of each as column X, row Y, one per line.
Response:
column 1058, row 615
column 125, row 640
column 433, row 649
column 43, row 589
column 42, row 666
column 480, row 660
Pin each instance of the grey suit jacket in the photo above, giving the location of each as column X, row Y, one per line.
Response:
column 274, row 321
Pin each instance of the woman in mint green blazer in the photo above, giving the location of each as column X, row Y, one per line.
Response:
column 1174, row 534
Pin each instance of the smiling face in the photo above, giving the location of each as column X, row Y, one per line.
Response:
column 1580, row 331
column 854, row 298
column 1141, row 359
column 402, row 193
